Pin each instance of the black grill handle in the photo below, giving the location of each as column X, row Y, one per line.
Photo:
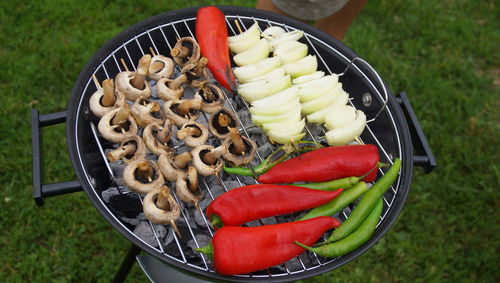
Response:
column 46, row 190
column 423, row 153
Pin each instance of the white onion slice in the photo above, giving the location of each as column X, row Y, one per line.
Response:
column 348, row 133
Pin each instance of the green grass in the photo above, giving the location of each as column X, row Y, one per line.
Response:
column 444, row 54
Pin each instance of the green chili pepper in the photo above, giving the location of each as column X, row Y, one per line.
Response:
column 268, row 163
column 354, row 240
column 343, row 183
column 338, row 203
column 366, row 203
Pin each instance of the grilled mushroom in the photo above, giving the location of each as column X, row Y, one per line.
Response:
column 196, row 72
column 132, row 148
column 133, row 84
column 171, row 166
column 212, row 97
column 142, row 176
column 185, row 51
column 207, row 160
column 156, row 137
column 160, row 67
column 171, row 89
column 117, row 125
column 187, row 188
column 161, row 208
column 105, row 99
column 240, row 149
column 181, row 111
column 221, row 120
column 146, row 112
column 193, row 133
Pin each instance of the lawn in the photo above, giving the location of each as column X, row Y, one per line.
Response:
column 444, row 54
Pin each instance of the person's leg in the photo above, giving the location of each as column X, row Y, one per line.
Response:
column 337, row 24
column 268, row 5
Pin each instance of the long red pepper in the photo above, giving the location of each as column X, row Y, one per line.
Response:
column 211, row 34
column 252, row 202
column 326, row 164
column 239, row 250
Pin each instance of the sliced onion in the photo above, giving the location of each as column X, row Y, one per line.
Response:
column 273, row 110
column 264, row 89
column 284, row 138
column 273, row 32
column 290, row 51
column 304, row 66
column 348, row 133
column 313, row 89
column 278, row 98
column 274, row 74
column 319, row 116
column 249, row 72
column 292, row 35
column 292, row 114
column 310, row 77
column 321, row 102
column 286, row 124
column 256, row 53
column 244, row 40
column 340, row 117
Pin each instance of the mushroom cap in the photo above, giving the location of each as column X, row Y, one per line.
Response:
column 165, row 72
column 166, row 93
column 156, row 214
column 238, row 159
column 137, row 186
column 140, row 152
column 193, row 141
column 197, row 80
column 108, row 131
column 190, row 43
column 150, row 140
column 174, row 117
column 208, row 105
column 182, row 187
column 122, row 83
column 214, row 126
column 96, row 106
column 168, row 169
column 143, row 115
column 205, row 169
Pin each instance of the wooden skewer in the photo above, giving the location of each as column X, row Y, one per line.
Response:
column 237, row 23
column 96, row 81
column 124, row 64
column 358, row 140
column 152, row 51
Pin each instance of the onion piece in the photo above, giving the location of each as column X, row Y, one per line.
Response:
column 319, row 116
column 292, row 35
column 292, row 114
column 273, row 110
column 313, row 89
column 340, row 117
column 274, row 74
column 283, row 138
column 290, row 51
column 320, row 102
column 287, row 125
column 348, row 133
column 304, row 66
column 273, row 32
column 259, row 89
column 254, row 70
column 278, row 98
column 245, row 40
column 254, row 54
column 306, row 78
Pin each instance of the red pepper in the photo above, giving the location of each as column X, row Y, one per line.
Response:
column 253, row 202
column 211, row 34
column 329, row 163
column 239, row 250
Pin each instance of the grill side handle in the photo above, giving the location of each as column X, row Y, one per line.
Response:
column 46, row 190
column 423, row 153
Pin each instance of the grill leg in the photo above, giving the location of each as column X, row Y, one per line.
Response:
column 127, row 264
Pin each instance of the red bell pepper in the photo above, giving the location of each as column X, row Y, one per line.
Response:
column 253, row 202
column 326, row 164
column 211, row 34
column 239, row 250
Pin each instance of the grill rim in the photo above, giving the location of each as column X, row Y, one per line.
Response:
column 106, row 49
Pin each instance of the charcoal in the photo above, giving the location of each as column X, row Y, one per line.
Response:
column 216, row 191
column 199, row 218
column 232, row 184
column 264, row 150
column 123, row 205
column 134, row 221
column 269, row 220
column 143, row 230
column 294, row 264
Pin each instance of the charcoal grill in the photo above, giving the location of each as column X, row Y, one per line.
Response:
column 392, row 126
